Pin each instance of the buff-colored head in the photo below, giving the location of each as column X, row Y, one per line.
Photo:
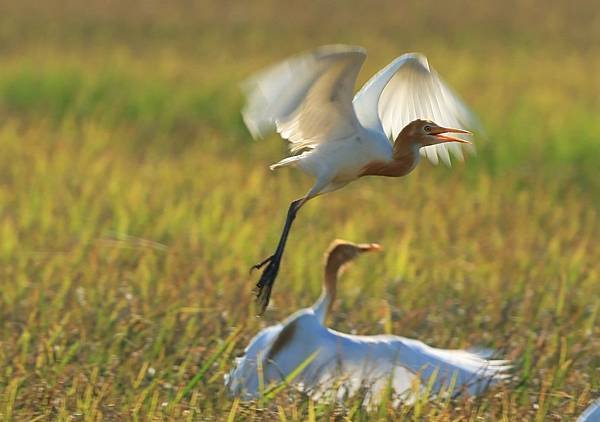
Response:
column 341, row 252
column 425, row 132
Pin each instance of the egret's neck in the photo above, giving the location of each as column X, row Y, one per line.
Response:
column 405, row 149
column 405, row 157
column 325, row 302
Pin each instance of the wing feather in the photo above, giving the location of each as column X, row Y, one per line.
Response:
column 307, row 98
column 409, row 89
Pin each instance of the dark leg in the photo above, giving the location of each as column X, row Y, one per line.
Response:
column 267, row 279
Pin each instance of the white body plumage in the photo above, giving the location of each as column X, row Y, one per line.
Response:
column 336, row 163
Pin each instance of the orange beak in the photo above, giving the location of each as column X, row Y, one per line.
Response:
column 439, row 131
column 370, row 247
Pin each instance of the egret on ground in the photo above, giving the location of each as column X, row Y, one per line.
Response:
column 338, row 138
column 340, row 365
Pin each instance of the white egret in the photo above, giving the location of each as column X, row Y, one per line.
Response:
column 336, row 138
column 344, row 363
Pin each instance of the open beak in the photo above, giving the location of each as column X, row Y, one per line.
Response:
column 370, row 247
column 438, row 132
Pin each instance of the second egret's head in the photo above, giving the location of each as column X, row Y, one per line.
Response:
column 425, row 132
column 342, row 252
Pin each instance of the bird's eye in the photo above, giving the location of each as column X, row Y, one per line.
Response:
column 427, row 128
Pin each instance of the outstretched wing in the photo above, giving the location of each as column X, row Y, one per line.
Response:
column 468, row 371
column 307, row 98
column 408, row 89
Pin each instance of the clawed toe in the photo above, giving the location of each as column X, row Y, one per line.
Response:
column 261, row 264
column 265, row 284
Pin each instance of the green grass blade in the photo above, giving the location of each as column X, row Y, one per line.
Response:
column 270, row 393
column 209, row 362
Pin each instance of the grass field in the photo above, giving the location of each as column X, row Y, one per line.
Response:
column 132, row 203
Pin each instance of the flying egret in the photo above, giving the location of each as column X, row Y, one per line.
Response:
column 343, row 363
column 337, row 138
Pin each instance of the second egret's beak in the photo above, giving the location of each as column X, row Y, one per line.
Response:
column 439, row 131
column 370, row 247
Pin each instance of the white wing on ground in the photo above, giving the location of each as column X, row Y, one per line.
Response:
column 307, row 98
column 408, row 366
column 408, row 89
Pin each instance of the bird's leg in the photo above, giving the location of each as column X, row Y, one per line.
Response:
column 267, row 279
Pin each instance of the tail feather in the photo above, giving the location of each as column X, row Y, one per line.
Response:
column 289, row 161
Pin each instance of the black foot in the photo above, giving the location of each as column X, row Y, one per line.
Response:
column 265, row 284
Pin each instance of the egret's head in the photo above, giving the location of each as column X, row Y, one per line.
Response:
column 425, row 132
column 338, row 255
column 341, row 252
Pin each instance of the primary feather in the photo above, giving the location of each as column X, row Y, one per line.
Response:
column 308, row 98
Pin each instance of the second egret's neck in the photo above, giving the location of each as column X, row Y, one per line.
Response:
column 328, row 294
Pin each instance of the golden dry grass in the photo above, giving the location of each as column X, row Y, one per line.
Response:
column 132, row 204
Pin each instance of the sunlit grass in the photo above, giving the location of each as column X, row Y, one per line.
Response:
column 132, row 204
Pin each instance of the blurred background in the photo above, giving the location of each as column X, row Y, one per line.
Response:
column 133, row 202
